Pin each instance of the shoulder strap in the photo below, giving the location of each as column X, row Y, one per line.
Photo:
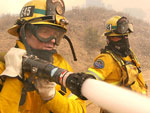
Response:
column 116, row 58
column 135, row 61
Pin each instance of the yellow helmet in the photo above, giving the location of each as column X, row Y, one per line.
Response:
column 118, row 26
column 41, row 12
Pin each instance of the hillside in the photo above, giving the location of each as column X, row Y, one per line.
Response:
column 85, row 29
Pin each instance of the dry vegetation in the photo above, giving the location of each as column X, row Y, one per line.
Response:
column 86, row 27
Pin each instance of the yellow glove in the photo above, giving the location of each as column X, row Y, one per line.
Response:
column 13, row 62
column 45, row 88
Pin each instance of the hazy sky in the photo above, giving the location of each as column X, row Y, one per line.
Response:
column 121, row 4
column 14, row 6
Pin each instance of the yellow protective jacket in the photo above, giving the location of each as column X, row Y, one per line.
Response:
column 63, row 102
column 10, row 95
column 123, row 71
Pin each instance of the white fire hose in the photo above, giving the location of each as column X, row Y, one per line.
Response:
column 114, row 98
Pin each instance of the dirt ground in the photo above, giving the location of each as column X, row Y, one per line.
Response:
column 92, row 108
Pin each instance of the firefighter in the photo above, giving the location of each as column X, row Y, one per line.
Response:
column 40, row 28
column 117, row 64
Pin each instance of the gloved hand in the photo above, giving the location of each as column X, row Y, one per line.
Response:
column 45, row 88
column 13, row 62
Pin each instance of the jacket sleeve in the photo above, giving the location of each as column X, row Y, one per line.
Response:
column 102, row 67
column 61, row 104
column 10, row 95
column 142, row 83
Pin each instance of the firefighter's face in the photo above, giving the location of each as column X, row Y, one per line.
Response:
column 37, row 44
column 116, row 38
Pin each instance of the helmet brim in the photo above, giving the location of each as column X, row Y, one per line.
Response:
column 114, row 34
column 13, row 30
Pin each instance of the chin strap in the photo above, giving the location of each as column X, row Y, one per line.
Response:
column 23, row 39
column 71, row 46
